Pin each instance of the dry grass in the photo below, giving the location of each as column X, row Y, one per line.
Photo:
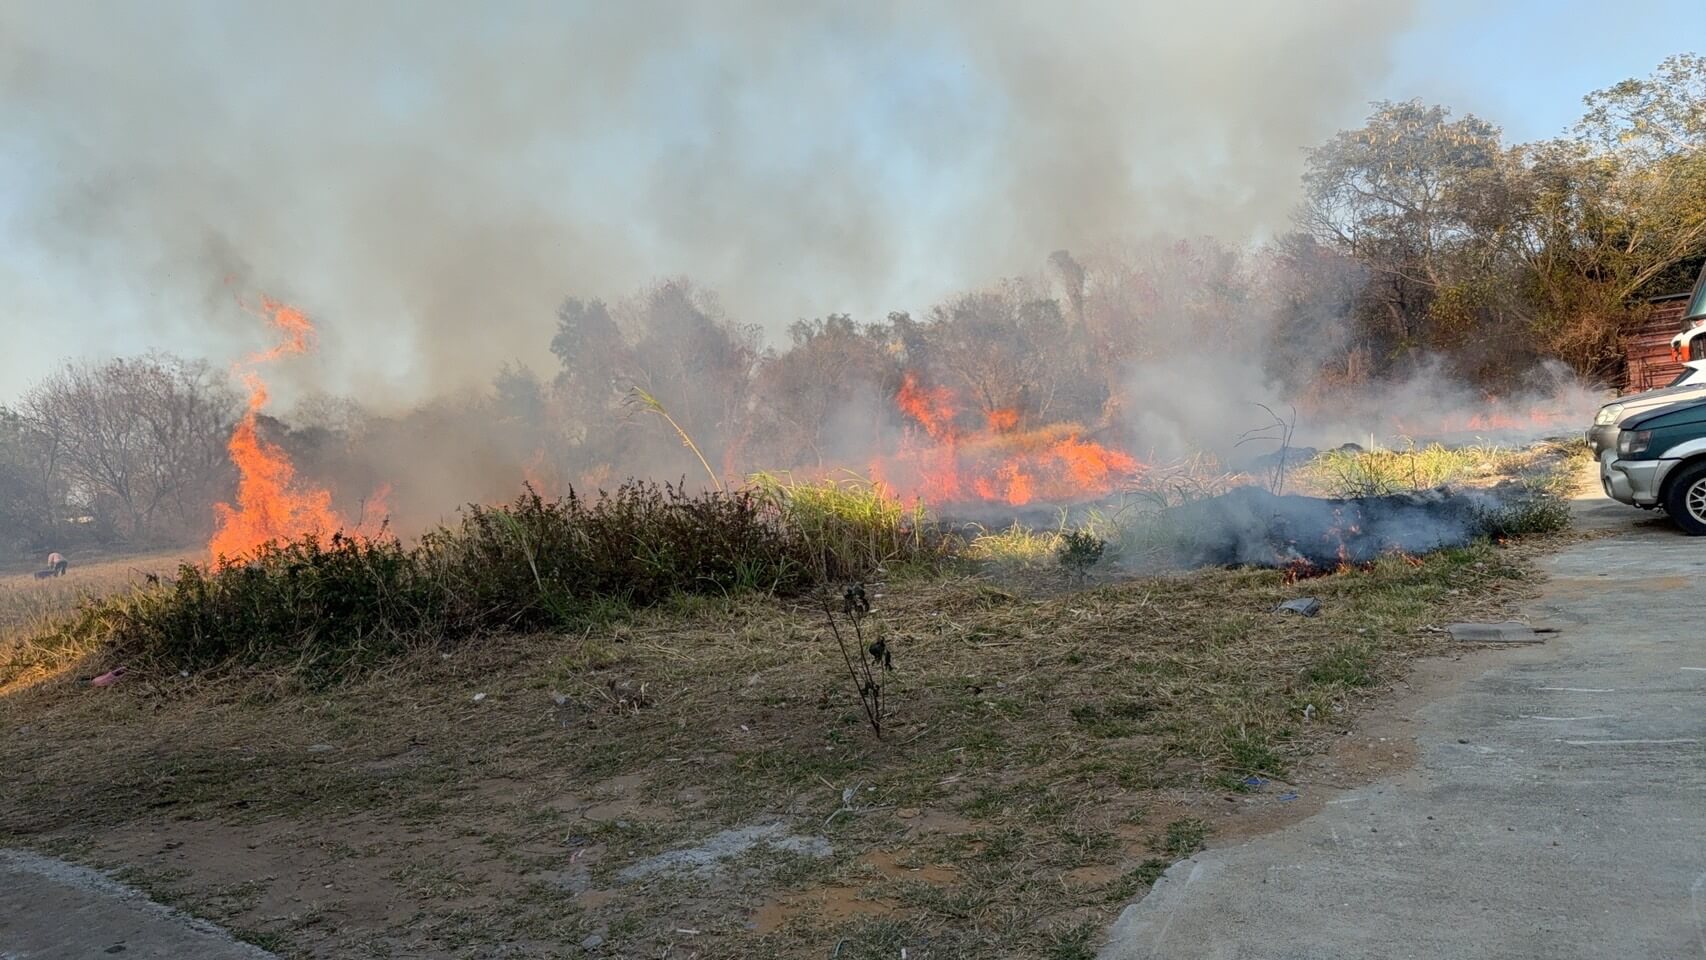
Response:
column 1548, row 466
column 1046, row 756
column 29, row 608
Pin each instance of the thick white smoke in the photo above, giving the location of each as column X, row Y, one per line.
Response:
column 431, row 179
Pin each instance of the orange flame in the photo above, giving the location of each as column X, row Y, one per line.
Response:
column 271, row 503
column 539, row 474
column 999, row 463
column 933, row 409
column 1497, row 420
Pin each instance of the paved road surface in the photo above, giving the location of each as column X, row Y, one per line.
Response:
column 52, row 910
column 1557, row 809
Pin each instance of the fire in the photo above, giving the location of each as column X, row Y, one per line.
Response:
column 1498, row 419
column 272, row 504
column 942, row 461
column 1004, row 421
column 539, row 474
column 933, row 409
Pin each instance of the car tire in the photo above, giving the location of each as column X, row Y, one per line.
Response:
column 1685, row 499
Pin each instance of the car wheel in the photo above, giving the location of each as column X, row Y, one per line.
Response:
column 1685, row 499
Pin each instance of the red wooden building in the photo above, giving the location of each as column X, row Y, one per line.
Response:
column 1648, row 363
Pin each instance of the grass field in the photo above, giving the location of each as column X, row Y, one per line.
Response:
column 1045, row 757
column 29, row 607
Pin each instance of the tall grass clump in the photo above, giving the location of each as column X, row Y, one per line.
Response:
column 849, row 525
column 537, row 562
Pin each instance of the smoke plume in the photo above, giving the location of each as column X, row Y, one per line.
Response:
column 429, row 180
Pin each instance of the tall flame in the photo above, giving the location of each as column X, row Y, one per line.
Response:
column 271, row 503
column 996, row 462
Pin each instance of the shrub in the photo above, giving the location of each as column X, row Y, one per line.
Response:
column 329, row 608
column 1079, row 550
column 1537, row 512
column 537, row 563
column 321, row 605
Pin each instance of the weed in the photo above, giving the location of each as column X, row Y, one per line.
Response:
column 1250, row 751
column 1015, row 546
column 333, row 608
column 1184, row 837
column 1075, row 943
column 864, row 663
column 1349, row 665
column 1079, row 550
column 1538, row 512
column 1136, row 880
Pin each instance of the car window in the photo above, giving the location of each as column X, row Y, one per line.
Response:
column 1697, row 301
column 1684, row 375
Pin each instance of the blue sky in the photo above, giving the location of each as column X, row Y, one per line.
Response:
column 429, row 180
column 1526, row 64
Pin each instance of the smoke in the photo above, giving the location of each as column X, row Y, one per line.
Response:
column 1249, row 526
column 429, row 180
column 1230, row 406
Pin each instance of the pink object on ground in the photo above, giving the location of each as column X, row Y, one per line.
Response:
column 109, row 678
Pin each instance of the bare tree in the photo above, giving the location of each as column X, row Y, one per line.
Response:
column 142, row 440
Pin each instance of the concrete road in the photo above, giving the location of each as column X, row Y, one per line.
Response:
column 1557, row 809
column 52, row 910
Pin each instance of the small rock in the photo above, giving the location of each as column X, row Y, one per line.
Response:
column 478, row 697
column 1462, row 739
column 592, row 941
column 907, row 813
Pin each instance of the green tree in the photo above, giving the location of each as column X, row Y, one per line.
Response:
column 1424, row 203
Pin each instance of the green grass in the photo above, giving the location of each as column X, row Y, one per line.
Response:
column 1184, row 837
column 850, row 523
column 1351, row 665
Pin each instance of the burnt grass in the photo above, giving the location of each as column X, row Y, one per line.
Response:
column 1045, row 756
